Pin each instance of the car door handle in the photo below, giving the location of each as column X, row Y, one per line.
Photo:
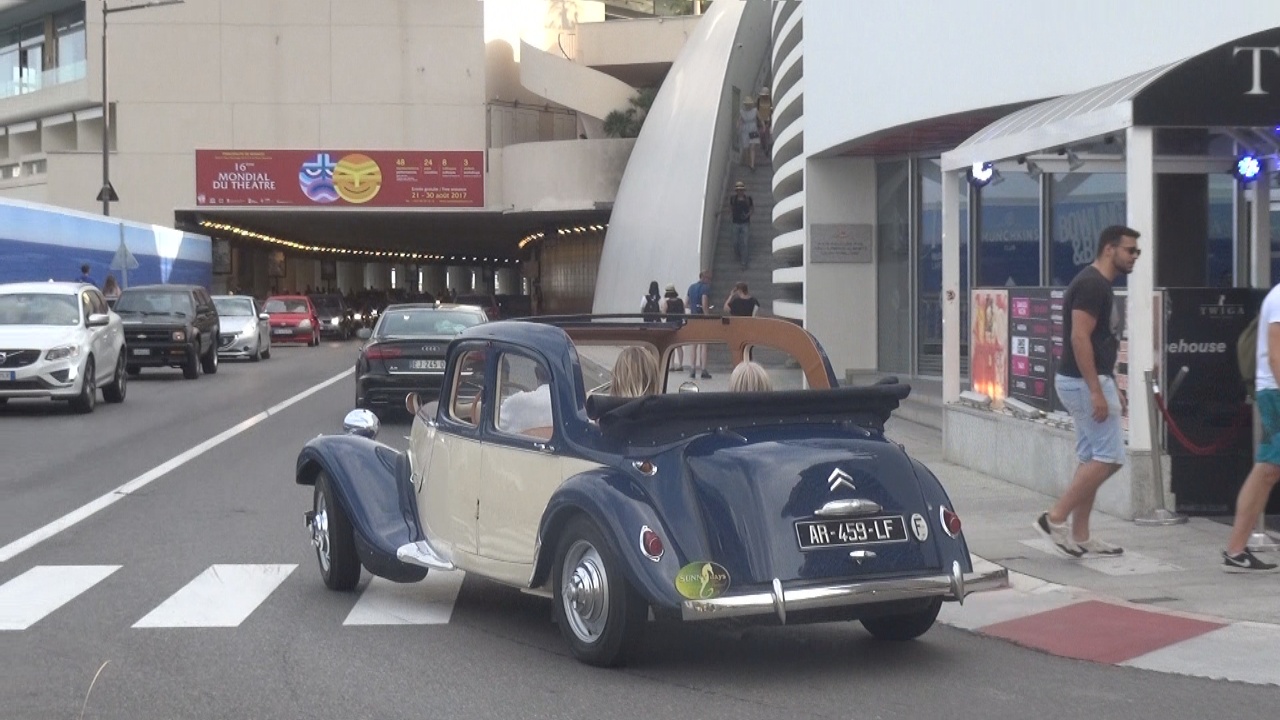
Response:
column 544, row 447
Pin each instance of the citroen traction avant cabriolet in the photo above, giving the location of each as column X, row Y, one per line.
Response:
column 693, row 504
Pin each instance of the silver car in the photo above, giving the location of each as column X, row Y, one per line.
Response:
column 59, row 340
column 245, row 330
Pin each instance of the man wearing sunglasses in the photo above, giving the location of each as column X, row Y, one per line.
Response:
column 1086, row 385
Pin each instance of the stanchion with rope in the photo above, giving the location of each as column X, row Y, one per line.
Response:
column 1160, row 515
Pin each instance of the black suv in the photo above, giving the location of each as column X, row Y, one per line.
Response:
column 170, row 326
column 334, row 316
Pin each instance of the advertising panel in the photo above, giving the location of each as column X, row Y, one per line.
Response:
column 340, row 178
column 1035, row 345
column 987, row 340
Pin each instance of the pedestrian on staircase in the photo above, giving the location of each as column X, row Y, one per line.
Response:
column 749, row 132
column 740, row 303
column 741, row 206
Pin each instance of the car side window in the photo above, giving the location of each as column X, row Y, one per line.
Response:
column 467, row 388
column 523, row 396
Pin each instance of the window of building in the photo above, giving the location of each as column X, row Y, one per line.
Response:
column 1221, row 261
column 1083, row 204
column 29, row 63
column 929, row 269
column 893, row 266
column 1009, row 232
column 68, row 29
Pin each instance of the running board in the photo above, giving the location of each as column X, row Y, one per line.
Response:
column 423, row 555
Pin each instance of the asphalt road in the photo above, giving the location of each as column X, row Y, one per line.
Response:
column 234, row 509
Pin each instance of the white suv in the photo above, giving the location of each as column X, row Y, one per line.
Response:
column 59, row 340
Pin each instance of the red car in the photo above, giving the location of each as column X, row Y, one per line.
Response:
column 293, row 319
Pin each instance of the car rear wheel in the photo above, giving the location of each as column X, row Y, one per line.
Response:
column 210, row 361
column 114, row 393
column 907, row 626
column 88, row 397
column 333, row 538
column 600, row 615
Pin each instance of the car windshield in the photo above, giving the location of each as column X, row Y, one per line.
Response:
column 287, row 305
column 154, row 302
column 39, row 309
column 327, row 304
column 424, row 322
column 234, row 307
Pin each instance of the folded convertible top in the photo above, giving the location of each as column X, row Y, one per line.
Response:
column 656, row 419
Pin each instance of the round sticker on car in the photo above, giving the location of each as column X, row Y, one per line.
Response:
column 702, row 580
column 920, row 527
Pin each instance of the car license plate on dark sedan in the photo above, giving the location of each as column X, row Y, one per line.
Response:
column 426, row 365
column 816, row 534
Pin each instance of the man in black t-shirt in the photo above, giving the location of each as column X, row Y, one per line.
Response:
column 1086, row 386
column 741, row 205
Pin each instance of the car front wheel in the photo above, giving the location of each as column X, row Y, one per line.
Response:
column 599, row 613
column 191, row 368
column 114, row 393
column 907, row 626
column 333, row 538
column 209, row 363
column 88, row 397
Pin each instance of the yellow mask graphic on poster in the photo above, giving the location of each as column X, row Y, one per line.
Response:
column 357, row 178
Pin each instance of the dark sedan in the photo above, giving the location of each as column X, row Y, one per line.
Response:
column 405, row 351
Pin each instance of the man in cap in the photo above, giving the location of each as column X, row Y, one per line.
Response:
column 741, row 206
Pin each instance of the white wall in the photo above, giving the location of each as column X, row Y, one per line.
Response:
column 565, row 175
column 890, row 62
column 627, row 42
column 840, row 299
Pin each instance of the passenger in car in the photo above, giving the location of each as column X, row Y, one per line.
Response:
column 749, row 376
column 528, row 410
column 635, row 373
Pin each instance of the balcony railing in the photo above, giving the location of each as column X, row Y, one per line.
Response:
column 32, row 82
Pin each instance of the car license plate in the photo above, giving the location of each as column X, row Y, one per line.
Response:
column 817, row 534
column 141, row 351
column 7, row 375
column 426, row 365
column 279, row 331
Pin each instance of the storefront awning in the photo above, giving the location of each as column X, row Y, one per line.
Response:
column 1236, row 84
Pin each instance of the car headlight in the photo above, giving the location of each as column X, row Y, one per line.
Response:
column 357, row 316
column 335, row 321
column 304, row 325
column 179, row 335
column 66, row 351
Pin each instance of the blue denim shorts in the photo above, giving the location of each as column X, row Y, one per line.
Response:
column 1100, row 441
column 1268, row 402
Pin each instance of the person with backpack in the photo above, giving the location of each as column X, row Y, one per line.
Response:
column 1262, row 479
column 650, row 305
column 673, row 310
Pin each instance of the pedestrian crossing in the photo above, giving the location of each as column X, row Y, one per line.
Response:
column 222, row 596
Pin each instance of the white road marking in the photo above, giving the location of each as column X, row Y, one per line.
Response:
column 31, row 539
column 222, row 596
column 429, row 602
column 28, row 598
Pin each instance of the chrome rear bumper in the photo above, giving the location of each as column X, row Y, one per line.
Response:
column 953, row 586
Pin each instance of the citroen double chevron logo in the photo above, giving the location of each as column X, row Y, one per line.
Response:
column 839, row 477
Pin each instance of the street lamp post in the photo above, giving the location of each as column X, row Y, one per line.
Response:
column 107, row 194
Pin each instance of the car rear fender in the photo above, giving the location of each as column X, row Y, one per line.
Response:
column 949, row 549
column 372, row 483
column 621, row 508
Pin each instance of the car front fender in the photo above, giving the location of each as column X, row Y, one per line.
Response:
column 371, row 482
column 620, row 508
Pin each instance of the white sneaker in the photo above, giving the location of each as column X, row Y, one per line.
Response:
column 1094, row 546
column 1059, row 535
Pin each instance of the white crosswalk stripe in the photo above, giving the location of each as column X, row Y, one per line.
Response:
column 222, row 596
column 429, row 602
column 28, row 598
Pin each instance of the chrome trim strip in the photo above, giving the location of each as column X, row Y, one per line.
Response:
column 423, row 555
column 847, row 508
column 954, row 585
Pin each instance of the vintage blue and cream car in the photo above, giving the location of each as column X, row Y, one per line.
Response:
column 695, row 502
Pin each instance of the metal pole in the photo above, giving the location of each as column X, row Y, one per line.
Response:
column 1160, row 515
column 106, row 112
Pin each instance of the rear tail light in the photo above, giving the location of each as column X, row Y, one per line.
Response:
column 950, row 521
column 377, row 352
column 651, row 544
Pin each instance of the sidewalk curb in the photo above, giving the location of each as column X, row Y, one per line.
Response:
column 1037, row 614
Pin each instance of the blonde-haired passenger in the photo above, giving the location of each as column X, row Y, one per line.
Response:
column 635, row 373
column 749, row 376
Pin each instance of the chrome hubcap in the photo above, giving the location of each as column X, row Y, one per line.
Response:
column 585, row 591
column 320, row 532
